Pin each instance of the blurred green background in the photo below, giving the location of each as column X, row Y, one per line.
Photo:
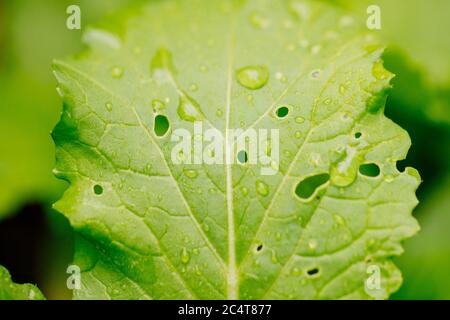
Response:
column 36, row 243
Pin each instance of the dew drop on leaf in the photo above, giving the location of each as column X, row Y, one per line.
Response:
column 299, row 120
column 185, row 257
column 315, row 74
column 189, row 109
column 262, row 188
column 192, row 174
column 253, row 77
column 109, row 106
column 345, row 167
column 193, row 87
column 117, row 72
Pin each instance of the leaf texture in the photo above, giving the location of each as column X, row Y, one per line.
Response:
column 152, row 229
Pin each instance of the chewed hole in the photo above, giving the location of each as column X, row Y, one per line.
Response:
column 98, row 189
column 242, row 156
column 358, row 135
column 369, row 170
column 259, row 247
column 161, row 125
column 312, row 272
column 282, row 112
column 401, row 165
column 307, row 187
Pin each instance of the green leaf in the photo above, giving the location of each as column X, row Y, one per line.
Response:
column 149, row 228
column 11, row 291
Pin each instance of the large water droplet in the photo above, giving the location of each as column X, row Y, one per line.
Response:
column 189, row 109
column 253, row 77
column 117, row 72
column 345, row 167
column 262, row 188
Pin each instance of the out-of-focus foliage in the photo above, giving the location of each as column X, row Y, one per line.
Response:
column 426, row 263
column 33, row 33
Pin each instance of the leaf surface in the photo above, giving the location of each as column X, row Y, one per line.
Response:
column 12, row 291
column 152, row 229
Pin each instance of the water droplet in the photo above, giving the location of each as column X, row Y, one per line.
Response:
column 117, row 72
column 212, row 190
column 193, row 87
column 345, row 165
column 60, row 91
column 315, row 74
column 250, row 98
column 278, row 236
column 339, row 219
column 262, row 188
column 244, row 191
column 219, row 113
column 299, row 120
column 189, row 109
column 342, row 89
column 191, row 174
column 109, row 106
column 298, row 134
column 253, row 77
column 181, row 157
column 315, row 159
column 295, row 271
column 203, row 68
column 312, row 244
column 185, row 256
column 274, row 257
